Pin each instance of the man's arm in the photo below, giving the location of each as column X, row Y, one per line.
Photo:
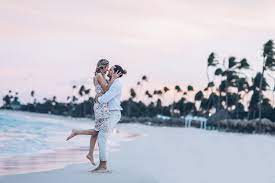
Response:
column 113, row 91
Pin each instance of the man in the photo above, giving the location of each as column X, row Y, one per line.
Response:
column 112, row 97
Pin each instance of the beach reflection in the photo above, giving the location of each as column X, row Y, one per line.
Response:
column 55, row 160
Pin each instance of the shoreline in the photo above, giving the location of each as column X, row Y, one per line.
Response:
column 243, row 126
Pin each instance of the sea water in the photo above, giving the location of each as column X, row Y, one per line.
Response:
column 26, row 133
column 31, row 142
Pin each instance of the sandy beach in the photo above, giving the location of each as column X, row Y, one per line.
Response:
column 174, row 91
column 164, row 154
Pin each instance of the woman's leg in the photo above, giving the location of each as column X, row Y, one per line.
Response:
column 81, row 132
column 90, row 155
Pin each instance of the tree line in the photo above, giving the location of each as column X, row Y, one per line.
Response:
column 233, row 87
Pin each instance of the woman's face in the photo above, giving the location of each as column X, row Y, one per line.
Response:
column 106, row 68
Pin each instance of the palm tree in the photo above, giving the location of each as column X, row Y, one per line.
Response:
column 242, row 86
column 33, row 99
column 258, row 82
column 53, row 104
column 74, row 98
column 165, row 90
column 32, row 96
column 132, row 93
column 140, row 85
column 144, row 78
column 81, row 91
column 229, row 72
column 268, row 64
column 199, row 97
column 159, row 94
column 211, row 62
column 10, row 94
column 177, row 90
column 231, row 76
column 84, row 95
column 130, row 101
column 7, row 100
column 190, row 88
column 242, row 82
column 87, row 93
column 54, row 101
column 148, row 94
column 219, row 72
column 273, row 94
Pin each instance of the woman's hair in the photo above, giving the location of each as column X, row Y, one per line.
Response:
column 118, row 68
column 101, row 64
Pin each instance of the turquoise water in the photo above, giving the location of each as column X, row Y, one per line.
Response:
column 26, row 133
column 31, row 142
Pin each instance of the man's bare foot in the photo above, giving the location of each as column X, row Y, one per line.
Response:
column 91, row 158
column 100, row 169
column 73, row 133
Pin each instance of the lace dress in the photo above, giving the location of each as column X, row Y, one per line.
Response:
column 101, row 111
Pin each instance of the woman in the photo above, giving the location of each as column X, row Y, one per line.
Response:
column 101, row 111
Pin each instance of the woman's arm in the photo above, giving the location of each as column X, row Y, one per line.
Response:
column 114, row 90
column 103, row 83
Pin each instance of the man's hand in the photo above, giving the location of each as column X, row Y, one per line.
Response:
column 97, row 96
column 116, row 75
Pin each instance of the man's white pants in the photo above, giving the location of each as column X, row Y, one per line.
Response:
column 103, row 135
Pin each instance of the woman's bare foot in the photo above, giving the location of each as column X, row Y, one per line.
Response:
column 73, row 133
column 91, row 158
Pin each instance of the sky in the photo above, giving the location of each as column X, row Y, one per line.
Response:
column 50, row 45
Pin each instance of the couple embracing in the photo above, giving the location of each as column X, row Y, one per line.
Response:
column 107, row 110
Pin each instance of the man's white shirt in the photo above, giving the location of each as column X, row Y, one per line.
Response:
column 113, row 96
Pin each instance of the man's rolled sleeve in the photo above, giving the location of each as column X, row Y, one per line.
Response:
column 111, row 93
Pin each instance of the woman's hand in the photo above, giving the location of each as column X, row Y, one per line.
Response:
column 97, row 96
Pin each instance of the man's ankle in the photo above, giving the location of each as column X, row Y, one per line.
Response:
column 103, row 164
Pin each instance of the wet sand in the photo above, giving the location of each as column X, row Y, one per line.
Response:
column 178, row 155
column 55, row 160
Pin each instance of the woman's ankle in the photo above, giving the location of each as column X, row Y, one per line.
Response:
column 75, row 131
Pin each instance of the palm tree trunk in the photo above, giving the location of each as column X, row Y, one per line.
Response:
column 273, row 96
column 236, row 104
column 226, row 98
column 208, row 106
column 248, row 114
column 173, row 105
column 161, row 110
column 261, row 94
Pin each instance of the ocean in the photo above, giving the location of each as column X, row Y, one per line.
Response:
column 32, row 142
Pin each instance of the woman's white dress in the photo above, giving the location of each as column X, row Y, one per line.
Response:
column 101, row 111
